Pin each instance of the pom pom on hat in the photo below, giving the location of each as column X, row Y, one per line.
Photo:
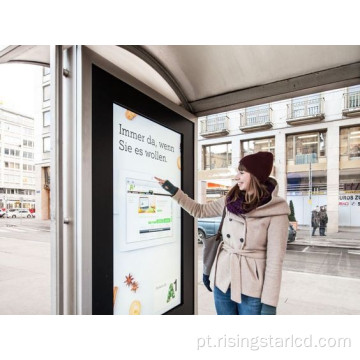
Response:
column 259, row 164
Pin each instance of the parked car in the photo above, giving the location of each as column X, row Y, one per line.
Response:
column 2, row 213
column 21, row 213
column 209, row 226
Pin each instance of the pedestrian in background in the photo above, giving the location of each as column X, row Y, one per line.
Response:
column 246, row 273
column 323, row 218
column 315, row 219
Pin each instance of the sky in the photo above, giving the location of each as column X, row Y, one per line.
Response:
column 17, row 87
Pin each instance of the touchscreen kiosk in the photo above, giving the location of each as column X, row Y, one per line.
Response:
column 143, row 243
column 147, row 234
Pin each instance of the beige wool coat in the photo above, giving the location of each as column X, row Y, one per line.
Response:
column 250, row 257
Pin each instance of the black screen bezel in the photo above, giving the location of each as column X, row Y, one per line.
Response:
column 107, row 90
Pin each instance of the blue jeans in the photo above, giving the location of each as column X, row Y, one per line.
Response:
column 225, row 306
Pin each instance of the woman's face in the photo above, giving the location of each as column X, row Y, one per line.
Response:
column 243, row 180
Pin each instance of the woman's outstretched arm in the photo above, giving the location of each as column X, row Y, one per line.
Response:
column 212, row 209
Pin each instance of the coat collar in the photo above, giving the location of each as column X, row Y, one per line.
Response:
column 276, row 206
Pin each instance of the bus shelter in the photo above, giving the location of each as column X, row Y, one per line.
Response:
column 123, row 114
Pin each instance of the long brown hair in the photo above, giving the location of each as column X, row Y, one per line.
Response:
column 252, row 197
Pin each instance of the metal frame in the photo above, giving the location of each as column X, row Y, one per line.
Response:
column 141, row 53
column 338, row 77
column 331, row 78
column 86, row 58
column 56, row 204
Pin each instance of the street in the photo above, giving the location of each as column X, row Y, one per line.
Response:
column 24, row 266
column 25, row 271
column 323, row 260
column 315, row 281
column 340, row 262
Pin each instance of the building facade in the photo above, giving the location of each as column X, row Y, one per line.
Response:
column 17, row 169
column 316, row 145
column 42, row 156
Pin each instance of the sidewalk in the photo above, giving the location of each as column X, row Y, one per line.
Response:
column 303, row 294
column 345, row 238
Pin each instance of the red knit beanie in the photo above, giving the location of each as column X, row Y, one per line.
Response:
column 259, row 164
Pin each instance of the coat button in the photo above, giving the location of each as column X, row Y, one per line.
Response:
column 230, row 219
column 228, row 235
column 242, row 240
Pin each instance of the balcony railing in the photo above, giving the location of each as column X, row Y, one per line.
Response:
column 215, row 126
column 301, row 159
column 305, row 111
column 259, row 119
column 351, row 103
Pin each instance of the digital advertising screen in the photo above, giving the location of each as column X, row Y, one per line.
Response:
column 146, row 221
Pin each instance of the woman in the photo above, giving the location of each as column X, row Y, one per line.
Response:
column 246, row 274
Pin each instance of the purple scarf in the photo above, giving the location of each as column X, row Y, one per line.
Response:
column 236, row 207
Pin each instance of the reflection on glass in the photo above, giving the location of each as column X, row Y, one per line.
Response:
column 254, row 146
column 350, row 142
column 217, row 156
column 306, row 148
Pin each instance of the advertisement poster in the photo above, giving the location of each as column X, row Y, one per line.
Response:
column 147, row 232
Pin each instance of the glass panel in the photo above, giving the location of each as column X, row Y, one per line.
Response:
column 46, row 93
column 46, row 144
column 46, row 118
column 354, row 142
column 290, row 147
column 217, row 156
column 253, row 146
column 306, row 148
column 46, row 71
column 206, row 150
column 344, row 144
column 322, row 144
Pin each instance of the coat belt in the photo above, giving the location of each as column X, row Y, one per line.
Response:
column 235, row 266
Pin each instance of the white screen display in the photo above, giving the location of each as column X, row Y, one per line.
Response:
column 147, row 232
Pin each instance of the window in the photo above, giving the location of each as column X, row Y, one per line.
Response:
column 290, row 147
column 46, row 71
column 46, row 93
column 28, row 155
column 47, row 177
column 306, row 148
column 46, row 118
column 217, row 156
column 28, row 143
column 46, row 144
column 28, row 167
column 254, row 146
column 350, row 142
